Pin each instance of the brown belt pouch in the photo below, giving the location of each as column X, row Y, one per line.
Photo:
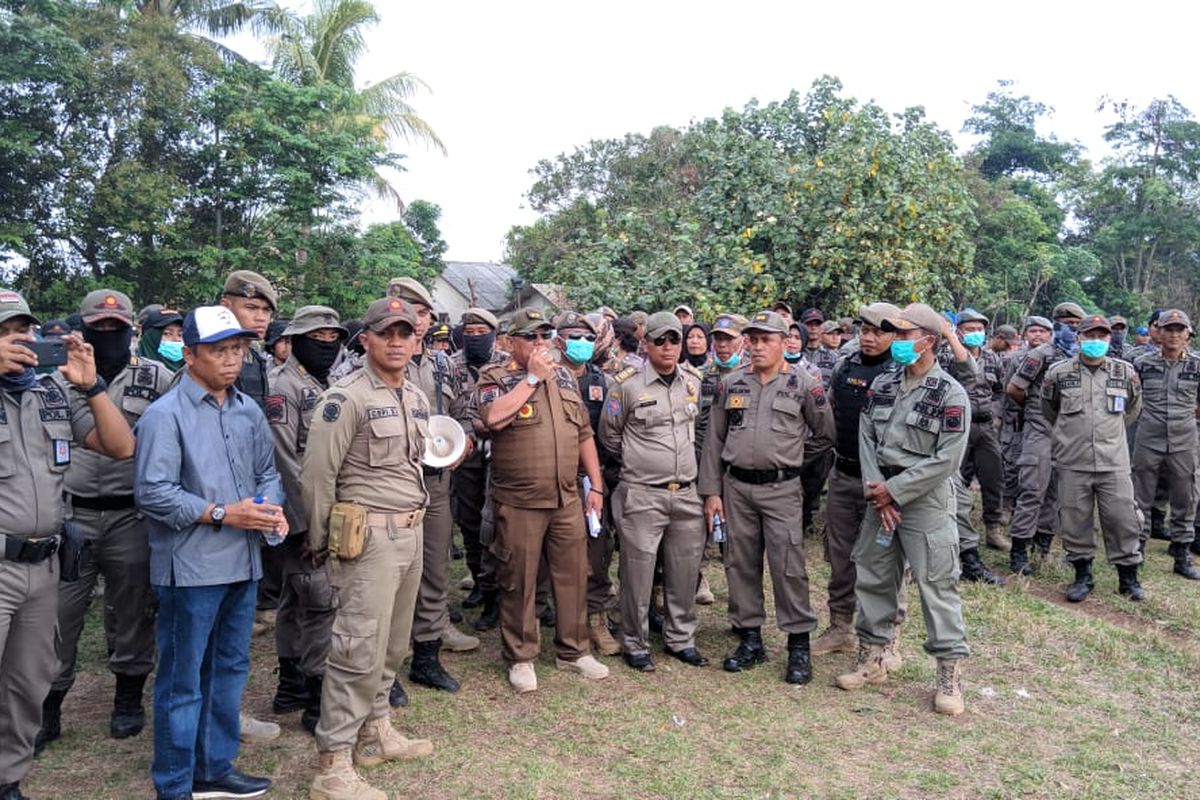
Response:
column 347, row 531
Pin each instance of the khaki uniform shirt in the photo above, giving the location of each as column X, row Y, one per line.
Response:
column 132, row 390
column 290, row 405
column 37, row 437
column 913, row 432
column 365, row 446
column 1088, row 410
column 535, row 459
column 649, row 422
column 765, row 426
column 1169, row 402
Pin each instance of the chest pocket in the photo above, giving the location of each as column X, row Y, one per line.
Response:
column 921, row 433
column 785, row 416
column 8, row 459
column 58, row 445
column 574, row 409
column 1071, row 402
column 386, row 447
column 652, row 416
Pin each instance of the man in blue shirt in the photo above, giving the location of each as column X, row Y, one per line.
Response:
column 205, row 479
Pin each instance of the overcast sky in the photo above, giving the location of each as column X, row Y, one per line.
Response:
column 519, row 81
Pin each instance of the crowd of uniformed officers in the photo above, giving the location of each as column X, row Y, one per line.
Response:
column 223, row 488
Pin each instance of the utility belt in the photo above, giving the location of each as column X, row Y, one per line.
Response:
column 23, row 550
column 758, row 477
column 71, row 545
column 850, row 466
column 348, row 523
column 113, row 502
column 432, row 472
column 670, row 486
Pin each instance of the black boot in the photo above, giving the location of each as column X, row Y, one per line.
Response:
column 974, row 570
column 455, row 615
column 290, row 695
column 548, row 618
column 1041, row 543
column 312, row 707
column 490, row 616
column 12, row 791
column 1127, row 582
column 799, row 665
column 456, row 552
column 1158, row 524
column 1183, row 561
column 128, row 716
column 1084, row 583
column 51, row 729
column 397, row 697
column 750, row 651
column 427, row 670
column 475, row 598
column 1195, row 545
column 1018, row 557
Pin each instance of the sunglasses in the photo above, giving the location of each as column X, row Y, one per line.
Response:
column 670, row 336
column 545, row 336
column 587, row 337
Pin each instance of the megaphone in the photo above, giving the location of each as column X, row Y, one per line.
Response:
column 446, row 443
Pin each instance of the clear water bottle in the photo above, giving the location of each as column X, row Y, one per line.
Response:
column 273, row 538
column 594, row 527
column 883, row 537
column 718, row 530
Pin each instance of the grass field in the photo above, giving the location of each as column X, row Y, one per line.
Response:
column 1098, row 700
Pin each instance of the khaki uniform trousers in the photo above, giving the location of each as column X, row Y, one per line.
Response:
column 760, row 519
column 522, row 534
column 1081, row 493
column 1177, row 471
column 28, row 621
column 306, row 610
column 927, row 539
column 374, row 594
column 120, row 551
column 845, row 507
column 432, row 614
column 651, row 517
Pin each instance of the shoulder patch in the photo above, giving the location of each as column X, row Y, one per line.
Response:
column 613, row 406
column 276, row 409
column 818, row 395
column 489, row 393
column 145, row 375
column 331, row 411
column 953, row 418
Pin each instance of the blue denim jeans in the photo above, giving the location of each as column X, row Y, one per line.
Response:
column 203, row 661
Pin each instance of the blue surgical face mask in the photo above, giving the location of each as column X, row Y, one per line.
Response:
column 1093, row 348
column 904, row 352
column 579, row 351
column 974, row 339
column 792, row 358
column 733, row 361
column 172, row 351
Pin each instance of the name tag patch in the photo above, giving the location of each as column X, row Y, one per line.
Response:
column 62, row 452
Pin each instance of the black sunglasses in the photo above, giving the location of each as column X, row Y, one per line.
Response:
column 529, row 337
column 669, row 336
column 589, row 337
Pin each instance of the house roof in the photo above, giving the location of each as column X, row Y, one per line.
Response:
column 492, row 282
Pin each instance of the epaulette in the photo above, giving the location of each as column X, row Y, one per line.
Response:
column 625, row 374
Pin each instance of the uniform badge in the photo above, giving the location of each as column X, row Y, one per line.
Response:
column 613, row 406
column 596, row 393
column 952, row 418
column 331, row 412
column 276, row 409
column 489, row 393
column 310, row 399
column 526, row 411
column 62, row 452
column 735, row 418
column 818, row 395
column 793, row 382
column 145, row 376
column 737, row 401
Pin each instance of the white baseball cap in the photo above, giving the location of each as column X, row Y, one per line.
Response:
column 211, row 324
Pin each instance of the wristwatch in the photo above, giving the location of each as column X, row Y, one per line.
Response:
column 96, row 388
column 218, row 515
column 532, row 380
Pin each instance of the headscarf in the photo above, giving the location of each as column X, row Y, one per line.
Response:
column 696, row 361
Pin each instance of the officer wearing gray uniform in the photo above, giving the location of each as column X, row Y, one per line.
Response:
column 38, row 438
column 1166, row 446
column 306, row 608
column 649, row 423
column 983, row 459
column 761, row 422
column 100, row 493
column 912, row 437
column 1034, row 515
column 1012, row 414
column 1088, row 400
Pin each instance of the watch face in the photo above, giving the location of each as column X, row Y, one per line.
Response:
column 218, row 513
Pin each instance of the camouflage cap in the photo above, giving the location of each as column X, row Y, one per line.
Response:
column 662, row 322
column 314, row 318
column 727, row 325
column 528, row 320
column 411, row 290
column 388, row 311
column 1173, row 316
column 767, row 322
column 1068, row 310
column 480, row 316
column 13, row 305
column 1094, row 322
column 573, row 319
column 106, row 304
column 244, row 283
column 876, row 313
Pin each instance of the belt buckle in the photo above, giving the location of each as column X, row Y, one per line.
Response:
column 673, row 486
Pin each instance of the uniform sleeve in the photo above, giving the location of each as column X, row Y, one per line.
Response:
column 158, row 459
column 925, row 475
column 335, row 421
column 712, row 471
column 82, row 419
column 283, row 413
column 1051, row 398
column 1134, row 407
column 969, row 373
column 267, row 483
column 868, row 442
column 487, row 390
column 1027, row 370
column 612, row 421
column 819, row 417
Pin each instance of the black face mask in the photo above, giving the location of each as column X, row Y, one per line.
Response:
column 1117, row 343
column 111, row 350
column 697, row 360
column 316, row 357
column 478, row 348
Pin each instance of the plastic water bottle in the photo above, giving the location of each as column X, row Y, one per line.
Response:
column 883, row 537
column 273, row 538
column 718, row 529
column 593, row 521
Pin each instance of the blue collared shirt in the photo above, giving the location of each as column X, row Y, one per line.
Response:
column 192, row 452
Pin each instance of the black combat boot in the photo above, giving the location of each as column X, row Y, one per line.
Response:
column 290, row 694
column 1195, row 545
column 1158, row 524
column 312, row 707
column 455, row 616
column 750, row 651
column 397, row 697
column 799, row 663
column 1183, row 561
column 1084, row 583
column 1041, row 543
column 974, row 570
column 427, row 670
column 1127, row 582
column 1018, row 557
column 128, row 715
column 475, row 598
column 12, row 791
column 51, row 729
column 490, row 616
